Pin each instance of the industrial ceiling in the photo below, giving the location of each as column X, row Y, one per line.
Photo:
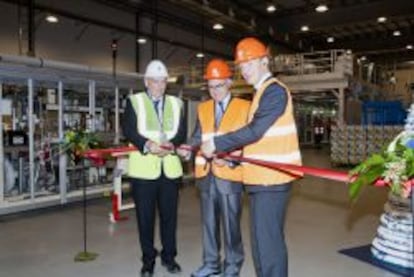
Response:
column 380, row 29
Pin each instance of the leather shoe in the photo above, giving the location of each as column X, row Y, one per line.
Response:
column 147, row 270
column 172, row 267
column 206, row 271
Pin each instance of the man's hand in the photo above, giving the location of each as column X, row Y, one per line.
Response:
column 157, row 149
column 167, row 148
column 153, row 147
column 184, row 153
column 236, row 153
column 208, row 148
column 220, row 162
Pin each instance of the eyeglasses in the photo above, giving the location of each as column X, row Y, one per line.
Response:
column 218, row 86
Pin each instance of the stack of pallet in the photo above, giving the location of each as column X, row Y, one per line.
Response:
column 352, row 144
column 339, row 144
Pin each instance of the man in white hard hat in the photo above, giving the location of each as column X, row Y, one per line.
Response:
column 153, row 120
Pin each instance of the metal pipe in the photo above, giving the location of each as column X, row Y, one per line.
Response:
column 137, row 47
column 44, row 63
column 20, row 29
column 62, row 155
column 154, row 31
column 31, row 28
column 341, row 108
column 116, row 141
column 92, row 112
column 1, row 148
column 31, row 137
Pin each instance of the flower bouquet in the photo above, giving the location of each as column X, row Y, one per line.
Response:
column 77, row 141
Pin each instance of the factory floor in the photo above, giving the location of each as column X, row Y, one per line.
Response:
column 320, row 221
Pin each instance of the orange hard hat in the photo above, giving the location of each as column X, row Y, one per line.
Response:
column 248, row 49
column 217, row 69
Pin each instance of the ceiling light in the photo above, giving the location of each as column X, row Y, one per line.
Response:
column 396, row 33
column 363, row 58
column 409, row 47
column 200, row 55
column 142, row 40
column 381, row 19
column 218, row 26
column 304, row 28
column 330, row 39
column 271, row 8
column 321, row 8
column 52, row 19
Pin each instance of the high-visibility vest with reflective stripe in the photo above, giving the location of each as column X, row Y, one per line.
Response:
column 278, row 144
column 234, row 118
column 148, row 166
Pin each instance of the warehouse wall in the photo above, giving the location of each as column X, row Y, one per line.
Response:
column 79, row 42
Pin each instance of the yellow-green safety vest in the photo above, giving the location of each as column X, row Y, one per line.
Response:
column 149, row 166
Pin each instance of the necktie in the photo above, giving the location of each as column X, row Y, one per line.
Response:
column 157, row 111
column 156, row 102
column 219, row 113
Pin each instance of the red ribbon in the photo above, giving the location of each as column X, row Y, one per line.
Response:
column 99, row 155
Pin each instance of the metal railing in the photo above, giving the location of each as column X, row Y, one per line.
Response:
column 286, row 64
column 314, row 63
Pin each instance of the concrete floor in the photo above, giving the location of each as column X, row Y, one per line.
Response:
column 320, row 222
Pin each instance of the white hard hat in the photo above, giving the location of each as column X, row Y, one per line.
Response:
column 156, row 69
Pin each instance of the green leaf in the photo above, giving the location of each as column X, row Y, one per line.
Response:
column 368, row 178
column 374, row 160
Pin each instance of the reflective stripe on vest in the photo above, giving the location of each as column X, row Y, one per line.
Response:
column 148, row 166
column 234, row 118
column 149, row 123
column 278, row 144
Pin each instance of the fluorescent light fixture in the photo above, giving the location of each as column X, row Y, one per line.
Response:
column 381, row 19
column 172, row 79
column 271, row 8
column 330, row 39
column 218, row 26
column 52, row 19
column 321, row 8
column 409, row 46
column 396, row 33
column 304, row 28
column 200, row 55
column 142, row 40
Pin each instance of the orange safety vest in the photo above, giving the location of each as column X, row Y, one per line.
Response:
column 278, row 144
column 234, row 118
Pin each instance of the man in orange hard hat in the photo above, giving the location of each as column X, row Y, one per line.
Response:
column 219, row 181
column 269, row 135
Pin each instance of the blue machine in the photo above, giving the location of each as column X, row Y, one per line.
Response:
column 383, row 113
